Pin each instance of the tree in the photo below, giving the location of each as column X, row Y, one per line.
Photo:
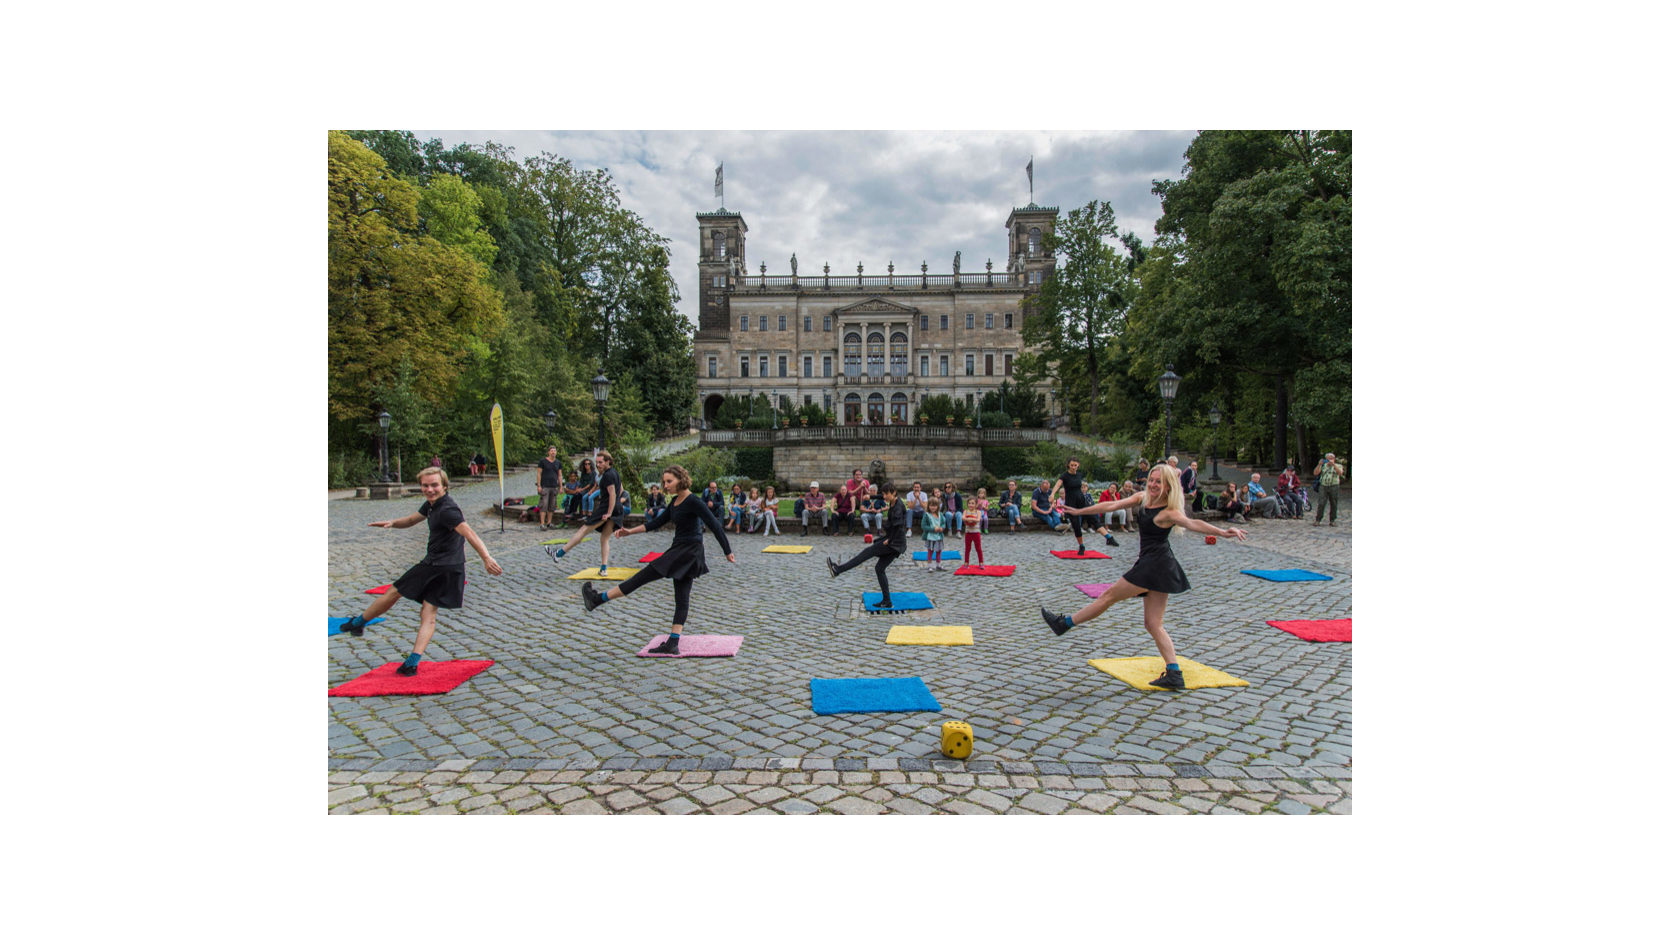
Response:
column 1254, row 281
column 449, row 208
column 1081, row 304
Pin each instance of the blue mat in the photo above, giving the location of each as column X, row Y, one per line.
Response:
column 903, row 600
column 333, row 623
column 908, row 694
column 944, row 556
column 1290, row 574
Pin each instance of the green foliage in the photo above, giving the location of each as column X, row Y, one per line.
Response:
column 732, row 409
column 1015, row 402
column 348, row 469
column 754, row 463
column 813, row 415
column 704, row 463
column 449, row 209
column 939, row 406
column 995, row 419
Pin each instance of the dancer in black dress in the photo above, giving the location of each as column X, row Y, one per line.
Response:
column 1157, row 572
column 1074, row 483
column 884, row 551
column 684, row 561
column 607, row 513
column 438, row 580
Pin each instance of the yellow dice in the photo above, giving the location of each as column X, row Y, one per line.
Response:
column 956, row 739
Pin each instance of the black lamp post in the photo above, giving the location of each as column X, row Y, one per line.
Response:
column 1169, row 390
column 601, row 387
column 548, row 420
column 384, row 450
column 1213, row 415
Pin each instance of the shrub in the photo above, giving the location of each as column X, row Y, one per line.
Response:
column 704, row 463
column 345, row 471
column 754, row 463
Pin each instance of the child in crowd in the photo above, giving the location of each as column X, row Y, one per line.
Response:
column 755, row 510
column 985, row 506
column 933, row 532
column 770, row 504
column 971, row 530
column 737, row 508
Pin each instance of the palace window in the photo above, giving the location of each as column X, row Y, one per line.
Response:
column 900, row 408
column 944, row 323
column 944, row 366
column 900, row 354
column 970, row 323
column 781, row 365
column 989, row 316
column 877, row 354
column 924, row 323
column 763, row 323
column 877, row 408
column 807, row 323
column 854, row 409
column 807, row 400
column 1008, row 365
column 717, row 244
column 1032, row 241
column 763, row 365
column 828, row 402
column 1009, row 319
column 781, row 323
column 924, row 366
column 968, row 364
column 825, row 323
column 743, row 323
column 1035, row 277
column 989, row 365
column 828, row 367
column 807, row 371
column 854, row 354
column 745, row 362
column 711, row 367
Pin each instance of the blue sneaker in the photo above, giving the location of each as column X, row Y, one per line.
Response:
column 559, row 552
column 603, row 570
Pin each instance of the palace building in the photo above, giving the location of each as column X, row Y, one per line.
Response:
column 867, row 347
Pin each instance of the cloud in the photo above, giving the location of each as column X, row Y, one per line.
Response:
column 870, row 196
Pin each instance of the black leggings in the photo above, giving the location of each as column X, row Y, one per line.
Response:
column 883, row 555
column 1078, row 520
column 680, row 586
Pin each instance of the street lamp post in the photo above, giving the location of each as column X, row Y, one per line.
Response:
column 384, row 449
column 1169, row 390
column 601, row 386
column 1213, row 415
column 548, row 420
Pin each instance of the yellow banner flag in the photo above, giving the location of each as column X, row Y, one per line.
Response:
column 496, row 438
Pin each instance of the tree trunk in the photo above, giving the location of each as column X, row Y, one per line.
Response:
column 1300, row 448
column 1280, row 426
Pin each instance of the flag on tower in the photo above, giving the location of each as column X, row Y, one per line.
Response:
column 1029, row 171
column 717, row 185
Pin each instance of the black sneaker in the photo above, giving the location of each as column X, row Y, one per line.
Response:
column 668, row 648
column 351, row 627
column 407, row 670
column 1112, row 541
column 1171, row 679
column 1081, row 551
column 591, row 600
column 1058, row 623
column 833, row 567
column 885, row 604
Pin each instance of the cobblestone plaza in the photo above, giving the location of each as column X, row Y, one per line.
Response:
column 568, row 720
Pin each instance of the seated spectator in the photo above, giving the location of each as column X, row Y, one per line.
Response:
column 813, row 505
column 714, row 501
column 755, row 510
column 874, row 507
column 772, row 507
column 1259, row 503
column 586, row 486
column 1233, row 503
column 1109, row 495
column 915, row 506
column 737, row 508
column 1291, row 493
column 1041, row 509
column 953, row 506
column 655, row 499
column 1010, row 504
column 1140, row 474
column 571, row 490
column 985, row 506
column 844, row 506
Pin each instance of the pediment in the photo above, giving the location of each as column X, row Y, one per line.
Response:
column 876, row 305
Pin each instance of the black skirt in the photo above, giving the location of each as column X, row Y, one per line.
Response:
column 1158, row 571
column 685, row 559
column 430, row 584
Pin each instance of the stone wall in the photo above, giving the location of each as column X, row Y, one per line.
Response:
column 832, row 463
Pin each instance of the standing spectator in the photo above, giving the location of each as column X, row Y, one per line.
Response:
column 1289, row 491
column 1329, row 473
column 437, row 461
column 816, row 505
column 915, row 504
column 1259, row 503
column 1192, row 488
column 971, row 533
column 548, row 486
column 771, row 508
column 1010, row 505
column 1234, row 503
column 1042, row 509
column 985, row 506
column 844, row 506
column 933, row 532
column 873, row 508
column 478, row 464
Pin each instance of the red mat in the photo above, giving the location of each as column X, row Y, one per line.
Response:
column 1077, row 556
column 378, row 590
column 644, row 559
column 988, row 570
column 433, row 679
column 1318, row 631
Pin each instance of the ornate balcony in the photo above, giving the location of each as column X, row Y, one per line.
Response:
column 882, row 433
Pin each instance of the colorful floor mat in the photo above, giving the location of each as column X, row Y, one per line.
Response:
column 594, row 574
column 931, row 636
column 433, row 679
column 1137, row 671
column 697, row 645
column 946, row 555
column 1318, row 631
column 1089, row 555
column 1288, row 574
column 650, row 556
column 378, row 590
column 333, row 623
column 903, row 600
column 908, row 694
column 787, row 549
column 987, row 570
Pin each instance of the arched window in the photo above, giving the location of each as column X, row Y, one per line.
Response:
column 1032, row 241
column 900, row 354
column 877, row 354
column 717, row 244
column 877, row 408
column 853, row 406
column 854, row 354
column 900, row 408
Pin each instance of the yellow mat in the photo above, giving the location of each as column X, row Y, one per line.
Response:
column 562, row 541
column 787, row 549
column 594, row 574
column 932, row 636
column 1137, row 671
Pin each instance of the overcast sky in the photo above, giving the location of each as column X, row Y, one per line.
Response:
column 874, row 197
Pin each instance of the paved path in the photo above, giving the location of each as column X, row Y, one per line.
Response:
column 569, row 721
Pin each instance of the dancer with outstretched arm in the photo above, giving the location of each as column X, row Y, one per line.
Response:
column 440, row 578
column 684, row 561
column 607, row 512
column 1156, row 573
column 884, row 551
column 1074, row 483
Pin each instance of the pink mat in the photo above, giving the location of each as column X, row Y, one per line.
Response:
column 988, row 570
column 644, row 559
column 700, row 644
column 1318, row 631
column 433, row 679
column 1088, row 555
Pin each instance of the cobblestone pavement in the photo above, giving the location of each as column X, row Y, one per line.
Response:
column 570, row 721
